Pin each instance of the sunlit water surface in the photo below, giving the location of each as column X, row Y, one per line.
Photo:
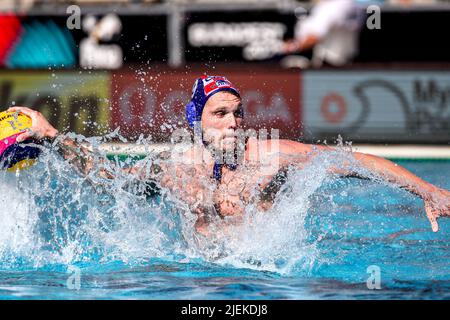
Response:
column 316, row 243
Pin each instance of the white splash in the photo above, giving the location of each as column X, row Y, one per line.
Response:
column 49, row 214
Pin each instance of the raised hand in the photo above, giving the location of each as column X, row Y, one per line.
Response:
column 40, row 127
column 437, row 205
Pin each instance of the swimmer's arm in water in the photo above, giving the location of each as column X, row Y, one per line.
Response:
column 437, row 200
column 85, row 159
column 82, row 157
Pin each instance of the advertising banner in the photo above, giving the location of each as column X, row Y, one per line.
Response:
column 154, row 104
column 246, row 35
column 361, row 106
column 71, row 101
column 375, row 106
column 105, row 41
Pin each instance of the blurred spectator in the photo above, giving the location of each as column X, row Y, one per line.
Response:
column 331, row 30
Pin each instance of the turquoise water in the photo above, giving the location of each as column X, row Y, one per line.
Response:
column 316, row 243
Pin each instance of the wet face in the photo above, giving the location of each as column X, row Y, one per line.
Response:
column 221, row 117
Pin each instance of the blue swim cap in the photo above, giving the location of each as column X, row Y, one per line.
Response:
column 203, row 89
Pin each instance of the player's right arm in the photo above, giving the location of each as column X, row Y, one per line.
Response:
column 80, row 154
column 75, row 152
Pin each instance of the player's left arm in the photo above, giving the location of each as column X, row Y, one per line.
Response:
column 437, row 200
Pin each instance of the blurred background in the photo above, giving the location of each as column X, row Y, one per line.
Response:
column 370, row 71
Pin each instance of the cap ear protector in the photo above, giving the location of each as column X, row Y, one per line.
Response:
column 14, row 155
column 203, row 89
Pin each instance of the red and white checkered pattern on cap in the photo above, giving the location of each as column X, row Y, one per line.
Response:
column 215, row 83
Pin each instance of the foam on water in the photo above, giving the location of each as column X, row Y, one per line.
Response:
column 51, row 215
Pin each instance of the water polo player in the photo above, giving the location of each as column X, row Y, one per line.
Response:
column 218, row 189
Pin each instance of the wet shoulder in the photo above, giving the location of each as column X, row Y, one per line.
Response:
column 259, row 150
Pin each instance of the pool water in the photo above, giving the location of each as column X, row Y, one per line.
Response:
column 62, row 238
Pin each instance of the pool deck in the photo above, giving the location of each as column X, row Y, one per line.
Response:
column 413, row 152
column 406, row 151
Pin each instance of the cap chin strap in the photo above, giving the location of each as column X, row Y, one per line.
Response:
column 217, row 170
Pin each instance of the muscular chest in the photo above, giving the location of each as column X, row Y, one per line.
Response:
column 240, row 188
column 230, row 197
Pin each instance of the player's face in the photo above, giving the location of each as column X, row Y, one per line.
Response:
column 221, row 117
